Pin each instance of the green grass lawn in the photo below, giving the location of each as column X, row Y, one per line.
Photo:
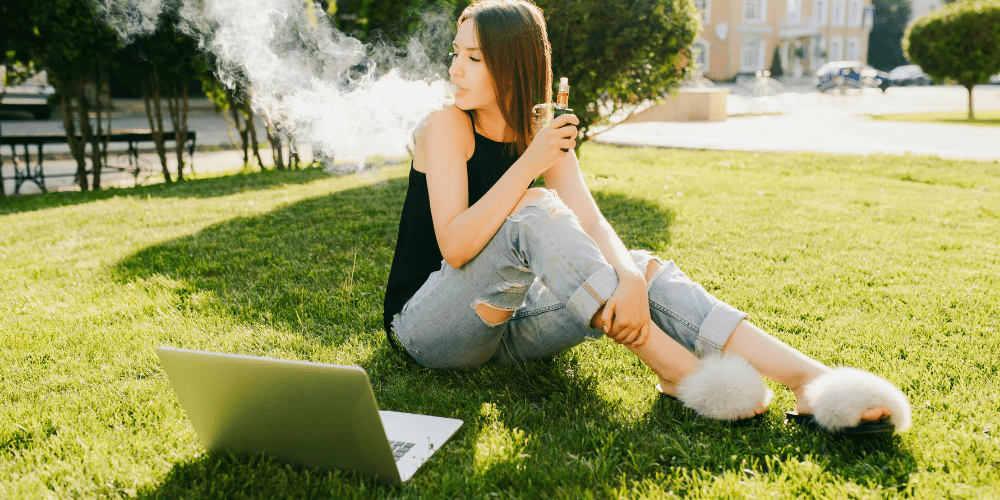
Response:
column 887, row 263
column 983, row 118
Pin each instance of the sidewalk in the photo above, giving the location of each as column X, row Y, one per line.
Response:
column 799, row 119
column 812, row 122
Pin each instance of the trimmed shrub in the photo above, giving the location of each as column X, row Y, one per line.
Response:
column 960, row 41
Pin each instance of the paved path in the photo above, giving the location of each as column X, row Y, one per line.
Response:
column 800, row 121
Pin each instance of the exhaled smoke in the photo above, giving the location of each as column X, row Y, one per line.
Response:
column 345, row 98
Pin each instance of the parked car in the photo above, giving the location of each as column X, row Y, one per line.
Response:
column 910, row 74
column 850, row 75
column 31, row 96
column 995, row 80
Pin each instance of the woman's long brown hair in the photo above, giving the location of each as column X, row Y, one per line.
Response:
column 515, row 47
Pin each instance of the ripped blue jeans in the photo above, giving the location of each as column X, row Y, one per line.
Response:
column 550, row 274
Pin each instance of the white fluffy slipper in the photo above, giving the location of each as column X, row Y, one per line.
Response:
column 724, row 387
column 839, row 397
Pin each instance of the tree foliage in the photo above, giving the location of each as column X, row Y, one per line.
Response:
column 161, row 66
column 960, row 41
column 63, row 37
column 618, row 54
column 776, row 69
column 387, row 20
column 885, row 49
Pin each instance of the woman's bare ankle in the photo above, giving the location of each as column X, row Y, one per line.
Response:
column 667, row 387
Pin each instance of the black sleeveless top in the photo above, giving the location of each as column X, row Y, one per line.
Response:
column 417, row 252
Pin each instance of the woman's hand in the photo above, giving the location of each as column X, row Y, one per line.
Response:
column 626, row 314
column 549, row 143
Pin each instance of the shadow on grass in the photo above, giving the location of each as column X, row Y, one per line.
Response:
column 192, row 188
column 318, row 267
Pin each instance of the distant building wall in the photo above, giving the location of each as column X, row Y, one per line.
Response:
column 739, row 36
column 922, row 7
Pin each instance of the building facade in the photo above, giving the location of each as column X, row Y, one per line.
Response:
column 739, row 36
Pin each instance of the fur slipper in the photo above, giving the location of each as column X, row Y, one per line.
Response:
column 839, row 397
column 724, row 387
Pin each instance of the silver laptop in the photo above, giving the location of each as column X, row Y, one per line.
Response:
column 313, row 414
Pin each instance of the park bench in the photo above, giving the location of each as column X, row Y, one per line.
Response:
column 26, row 170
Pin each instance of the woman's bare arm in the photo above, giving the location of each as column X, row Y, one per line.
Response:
column 462, row 231
column 565, row 178
column 626, row 315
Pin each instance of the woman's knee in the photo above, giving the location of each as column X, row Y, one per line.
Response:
column 530, row 196
column 651, row 270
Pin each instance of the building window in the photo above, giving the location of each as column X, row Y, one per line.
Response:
column 700, row 49
column 822, row 12
column 752, row 54
column 754, row 11
column 794, row 12
column 869, row 21
column 818, row 47
column 853, row 49
column 855, row 11
column 705, row 7
column 836, row 52
column 837, row 13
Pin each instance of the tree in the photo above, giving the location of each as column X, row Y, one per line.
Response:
column 618, row 54
column 960, row 41
column 885, row 49
column 163, row 64
column 235, row 107
column 63, row 37
column 776, row 69
column 11, row 73
column 386, row 20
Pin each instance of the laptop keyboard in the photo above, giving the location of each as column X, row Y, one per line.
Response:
column 399, row 449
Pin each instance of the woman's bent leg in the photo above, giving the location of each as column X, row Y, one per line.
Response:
column 444, row 324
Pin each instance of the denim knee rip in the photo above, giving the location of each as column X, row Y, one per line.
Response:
column 515, row 289
column 642, row 258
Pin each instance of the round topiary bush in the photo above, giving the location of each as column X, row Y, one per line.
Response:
column 960, row 42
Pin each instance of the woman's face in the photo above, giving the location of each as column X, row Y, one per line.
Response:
column 468, row 71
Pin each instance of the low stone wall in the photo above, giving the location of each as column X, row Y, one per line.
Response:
column 690, row 104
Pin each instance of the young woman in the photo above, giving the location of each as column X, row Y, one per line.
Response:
column 489, row 268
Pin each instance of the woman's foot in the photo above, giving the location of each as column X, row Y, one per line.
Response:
column 842, row 399
column 670, row 389
column 873, row 414
column 723, row 387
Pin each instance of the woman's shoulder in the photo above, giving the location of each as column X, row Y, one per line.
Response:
column 448, row 128
column 449, row 120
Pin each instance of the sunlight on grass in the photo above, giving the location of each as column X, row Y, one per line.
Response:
column 884, row 263
column 982, row 118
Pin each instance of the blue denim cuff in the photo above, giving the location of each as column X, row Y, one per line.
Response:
column 592, row 294
column 714, row 332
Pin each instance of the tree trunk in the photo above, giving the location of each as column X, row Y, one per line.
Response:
column 971, row 117
column 241, row 130
column 96, row 159
column 293, row 154
column 182, row 136
column 174, row 107
column 253, row 137
column 277, row 154
column 105, row 89
column 155, row 115
column 66, row 104
column 79, row 151
column 3, row 190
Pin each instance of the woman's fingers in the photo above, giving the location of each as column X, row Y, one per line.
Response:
column 643, row 336
column 609, row 312
column 563, row 120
